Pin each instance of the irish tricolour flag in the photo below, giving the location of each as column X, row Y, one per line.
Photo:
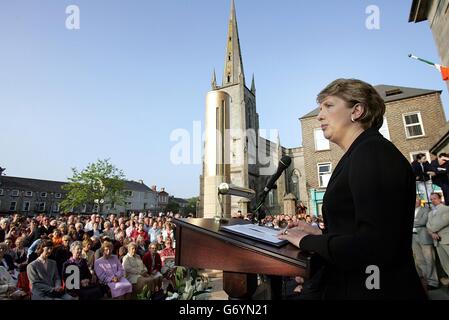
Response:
column 442, row 69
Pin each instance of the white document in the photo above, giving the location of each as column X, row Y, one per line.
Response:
column 255, row 231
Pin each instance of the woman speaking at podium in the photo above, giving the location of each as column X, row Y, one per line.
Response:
column 368, row 207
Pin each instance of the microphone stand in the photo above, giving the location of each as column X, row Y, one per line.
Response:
column 258, row 214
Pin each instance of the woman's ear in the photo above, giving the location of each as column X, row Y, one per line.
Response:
column 358, row 112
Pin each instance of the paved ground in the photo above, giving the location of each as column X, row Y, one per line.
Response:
column 216, row 280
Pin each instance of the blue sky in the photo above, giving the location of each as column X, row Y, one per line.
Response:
column 137, row 70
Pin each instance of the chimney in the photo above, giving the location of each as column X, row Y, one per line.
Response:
column 162, row 189
column 141, row 181
column 153, row 188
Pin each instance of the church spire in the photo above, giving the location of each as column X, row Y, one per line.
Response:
column 233, row 67
column 214, row 81
column 253, row 86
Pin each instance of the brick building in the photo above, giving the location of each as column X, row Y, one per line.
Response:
column 436, row 12
column 31, row 196
column 413, row 121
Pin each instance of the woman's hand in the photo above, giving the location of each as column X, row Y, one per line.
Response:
column 293, row 235
column 299, row 230
column 304, row 226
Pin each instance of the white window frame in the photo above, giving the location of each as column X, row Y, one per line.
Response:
column 15, row 206
column 1, row 192
column 328, row 146
column 84, row 210
column 409, row 125
column 38, row 206
column 28, row 193
column 15, row 193
column 385, row 128
column 24, row 204
column 58, row 195
column 129, row 193
column 57, row 207
column 318, row 165
column 43, row 194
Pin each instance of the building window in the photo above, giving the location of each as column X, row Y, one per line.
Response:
column 12, row 206
column 95, row 208
column 41, row 206
column 26, row 206
column 413, row 125
column 384, row 129
column 28, row 193
column 324, row 173
column 44, row 194
column 56, row 207
column 321, row 143
column 1, row 192
column 84, row 208
column 58, row 196
column 128, row 193
column 267, row 148
column 15, row 193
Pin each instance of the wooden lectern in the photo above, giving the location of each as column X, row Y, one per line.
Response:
column 201, row 244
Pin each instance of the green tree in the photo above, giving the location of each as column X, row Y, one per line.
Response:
column 172, row 206
column 98, row 183
column 191, row 205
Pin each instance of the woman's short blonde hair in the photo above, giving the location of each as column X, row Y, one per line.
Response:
column 355, row 91
column 107, row 244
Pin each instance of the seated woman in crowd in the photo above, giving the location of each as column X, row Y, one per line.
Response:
column 88, row 254
column 107, row 231
column 110, row 272
column 87, row 289
column 168, row 231
column 20, row 254
column 153, row 263
column 6, row 260
column 160, row 245
column 122, row 252
column 168, row 252
column 56, row 237
column 43, row 276
column 142, row 247
column 136, row 272
column 61, row 253
column 7, row 283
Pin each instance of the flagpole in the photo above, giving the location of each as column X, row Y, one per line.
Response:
column 422, row 60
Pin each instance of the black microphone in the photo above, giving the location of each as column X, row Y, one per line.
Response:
column 284, row 163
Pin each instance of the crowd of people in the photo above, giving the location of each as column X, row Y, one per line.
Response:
column 119, row 256
column 112, row 256
column 431, row 228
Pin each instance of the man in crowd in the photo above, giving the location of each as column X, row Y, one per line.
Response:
column 441, row 168
column 438, row 226
column 423, row 173
column 422, row 245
